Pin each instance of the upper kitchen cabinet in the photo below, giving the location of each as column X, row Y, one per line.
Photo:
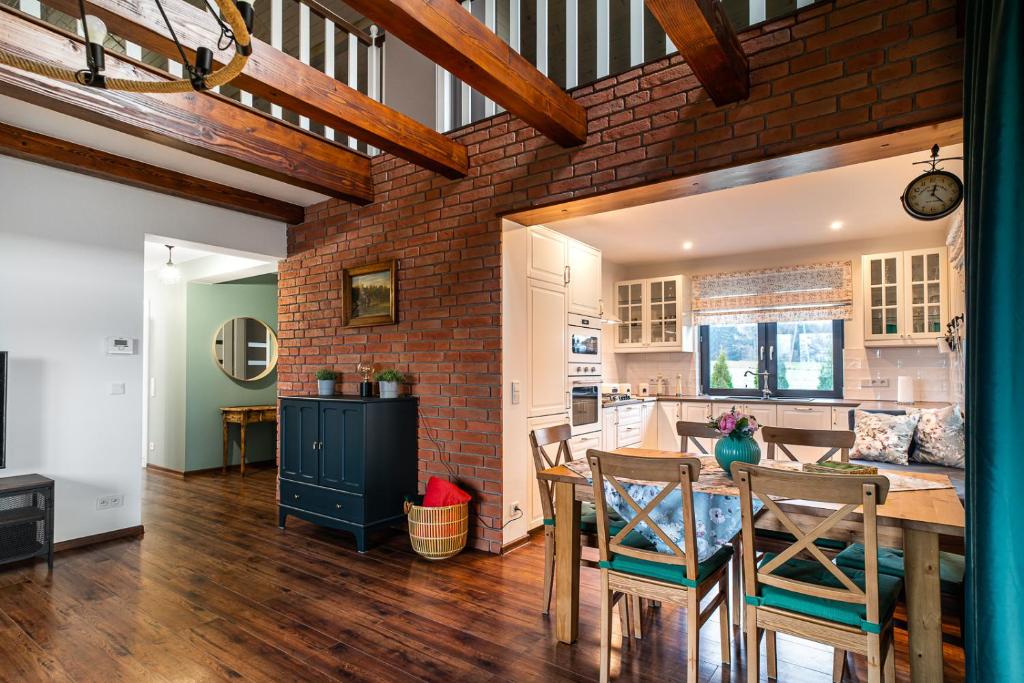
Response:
column 559, row 260
column 906, row 300
column 584, row 278
column 655, row 315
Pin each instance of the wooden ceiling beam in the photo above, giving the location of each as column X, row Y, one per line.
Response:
column 282, row 79
column 444, row 32
column 69, row 156
column 204, row 124
column 706, row 40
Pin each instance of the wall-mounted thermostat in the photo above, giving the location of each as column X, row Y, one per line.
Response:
column 120, row 346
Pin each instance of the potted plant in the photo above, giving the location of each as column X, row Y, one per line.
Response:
column 389, row 381
column 325, row 379
column 737, row 443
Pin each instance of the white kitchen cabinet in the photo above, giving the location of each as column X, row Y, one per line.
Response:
column 655, row 315
column 584, row 276
column 630, row 425
column 581, row 443
column 669, row 412
column 546, row 386
column 534, row 510
column 906, row 297
column 649, row 424
column 609, row 428
column 696, row 412
column 547, row 257
column 805, row 417
column 766, row 415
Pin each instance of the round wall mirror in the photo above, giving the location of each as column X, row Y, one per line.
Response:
column 245, row 349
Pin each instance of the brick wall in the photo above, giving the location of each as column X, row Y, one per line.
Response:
column 833, row 72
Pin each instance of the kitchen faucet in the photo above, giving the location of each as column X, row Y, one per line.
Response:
column 762, row 376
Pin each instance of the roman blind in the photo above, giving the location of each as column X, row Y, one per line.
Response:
column 820, row 291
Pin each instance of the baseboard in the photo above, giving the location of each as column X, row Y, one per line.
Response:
column 129, row 532
column 164, row 471
column 258, row 465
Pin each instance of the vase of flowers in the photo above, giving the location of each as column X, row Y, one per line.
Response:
column 389, row 381
column 325, row 380
column 737, row 443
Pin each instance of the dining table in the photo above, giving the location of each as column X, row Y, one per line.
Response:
column 916, row 520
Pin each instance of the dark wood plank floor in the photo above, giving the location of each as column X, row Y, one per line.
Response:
column 214, row 591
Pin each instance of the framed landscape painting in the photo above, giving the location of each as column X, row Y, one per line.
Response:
column 369, row 295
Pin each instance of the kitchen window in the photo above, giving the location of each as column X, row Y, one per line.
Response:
column 801, row 359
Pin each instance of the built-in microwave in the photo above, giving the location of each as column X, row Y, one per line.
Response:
column 584, row 340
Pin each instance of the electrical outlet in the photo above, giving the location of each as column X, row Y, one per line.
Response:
column 103, row 503
column 152, row 446
column 116, row 500
column 515, row 510
column 875, row 383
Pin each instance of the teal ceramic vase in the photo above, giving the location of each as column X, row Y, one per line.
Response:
column 730, row 450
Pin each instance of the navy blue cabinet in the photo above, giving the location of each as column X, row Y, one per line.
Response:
column 347, row 462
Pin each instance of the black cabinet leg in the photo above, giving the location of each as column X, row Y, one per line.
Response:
column 49, row 558
column 281, row 516
column 360, row 540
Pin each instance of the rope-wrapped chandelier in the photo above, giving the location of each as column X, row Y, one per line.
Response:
column 235, row 19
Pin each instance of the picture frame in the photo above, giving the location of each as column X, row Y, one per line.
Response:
column 370, row 295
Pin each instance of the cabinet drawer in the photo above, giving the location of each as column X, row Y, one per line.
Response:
column 629, row 435
column 579, row 445
column 628, row 414
column 805, row 417
column 347, row 507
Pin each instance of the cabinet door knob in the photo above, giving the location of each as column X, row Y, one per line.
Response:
column 296, row 496
column 337, row 505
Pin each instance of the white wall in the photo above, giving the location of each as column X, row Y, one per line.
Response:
column 165, row 338
column 71, row 274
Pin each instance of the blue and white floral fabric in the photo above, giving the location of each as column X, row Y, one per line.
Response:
column 716, row 513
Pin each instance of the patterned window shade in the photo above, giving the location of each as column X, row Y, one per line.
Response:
column 822, row 291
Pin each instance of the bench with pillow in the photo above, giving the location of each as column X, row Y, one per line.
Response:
column 931, row 444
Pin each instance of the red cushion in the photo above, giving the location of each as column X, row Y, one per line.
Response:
column 441, row 493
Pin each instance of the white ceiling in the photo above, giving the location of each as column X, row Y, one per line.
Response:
column 47, row 122
column 156, row 254
column 207, row 266
column 773, row 215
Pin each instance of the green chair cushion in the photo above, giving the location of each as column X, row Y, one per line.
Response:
column 890, row 561
column 848, row 613
column 669, row 573
column 588, row 519
column 776, row 535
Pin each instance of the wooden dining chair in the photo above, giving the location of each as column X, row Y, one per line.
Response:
column 816, row 599
column 540, row 442
column 692, row 431
column 675, row 577
column 781, row 439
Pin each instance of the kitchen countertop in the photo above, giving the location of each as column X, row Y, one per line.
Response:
column 865, row 404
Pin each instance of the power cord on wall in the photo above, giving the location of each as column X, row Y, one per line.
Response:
column 452, row 474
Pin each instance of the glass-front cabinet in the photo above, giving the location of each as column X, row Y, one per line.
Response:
column 654, row 315
column 905, row 297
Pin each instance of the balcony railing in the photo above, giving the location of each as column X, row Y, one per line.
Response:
column 575, row 42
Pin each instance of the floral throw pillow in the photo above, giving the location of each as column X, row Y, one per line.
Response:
column 940, row 437
column 883, row 438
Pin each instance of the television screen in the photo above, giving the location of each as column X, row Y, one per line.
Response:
column 3, row 409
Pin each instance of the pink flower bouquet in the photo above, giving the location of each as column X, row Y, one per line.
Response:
column 734, row 425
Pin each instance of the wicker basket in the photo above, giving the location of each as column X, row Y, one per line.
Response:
column 438, row 533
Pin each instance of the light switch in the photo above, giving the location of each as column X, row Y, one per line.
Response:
column 516, row 392
column 116, row 388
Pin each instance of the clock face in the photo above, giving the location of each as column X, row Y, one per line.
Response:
column 933, row 195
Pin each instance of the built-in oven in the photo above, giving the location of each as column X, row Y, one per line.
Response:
column 585, row 416
column 584, row 340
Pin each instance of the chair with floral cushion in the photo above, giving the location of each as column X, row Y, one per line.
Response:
column 558, row 436
column 675, row 576
column 851, row 610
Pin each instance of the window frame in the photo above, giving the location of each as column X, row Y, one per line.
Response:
column 766, row 342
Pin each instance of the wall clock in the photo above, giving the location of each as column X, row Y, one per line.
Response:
column 935, row 193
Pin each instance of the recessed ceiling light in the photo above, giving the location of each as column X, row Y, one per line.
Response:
column 687, row 245
column 836, row 225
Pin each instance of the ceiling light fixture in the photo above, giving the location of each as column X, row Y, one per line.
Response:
column 836, row 225
column 687, row 245
column 235, row 19
column 170, row 274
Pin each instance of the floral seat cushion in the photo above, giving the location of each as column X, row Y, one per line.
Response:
column 884, row 438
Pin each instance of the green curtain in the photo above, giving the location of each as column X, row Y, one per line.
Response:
column 994, row 179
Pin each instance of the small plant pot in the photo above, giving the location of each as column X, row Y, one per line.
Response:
column 389, row 389
column 325, row 387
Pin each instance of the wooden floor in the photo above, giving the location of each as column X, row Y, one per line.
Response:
column 214, row 591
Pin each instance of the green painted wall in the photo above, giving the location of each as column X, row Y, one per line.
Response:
column 207, row 388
